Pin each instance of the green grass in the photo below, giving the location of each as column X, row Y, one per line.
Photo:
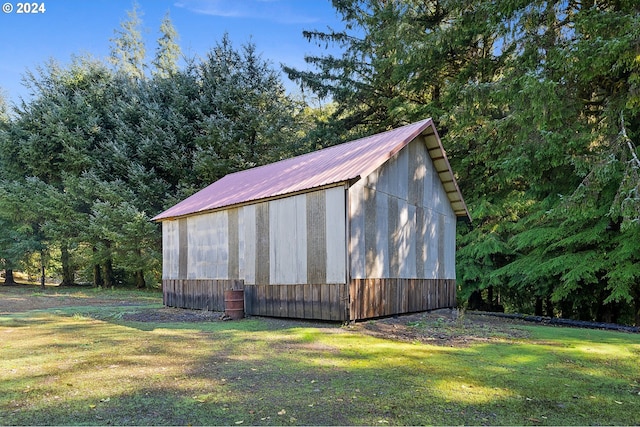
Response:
column 85, row 364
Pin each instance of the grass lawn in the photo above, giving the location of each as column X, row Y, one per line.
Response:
column 100, row 357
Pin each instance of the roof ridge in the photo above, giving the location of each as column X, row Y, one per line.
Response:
column 340, row 163
column 340, row 144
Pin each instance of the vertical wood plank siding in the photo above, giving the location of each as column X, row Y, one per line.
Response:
column 372, row 298
column 302, row 301
column 203, row 294
column 364, row 299
column 292, row 257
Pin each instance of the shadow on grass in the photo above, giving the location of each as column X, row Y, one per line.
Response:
column 89, row 365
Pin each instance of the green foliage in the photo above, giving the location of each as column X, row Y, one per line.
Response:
column 247, row 119
column 128, row 50
column 97, row 152
column 168, row 50
column 4, row 113
column 537, row 104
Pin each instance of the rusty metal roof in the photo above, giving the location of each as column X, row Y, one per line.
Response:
column 330, row 166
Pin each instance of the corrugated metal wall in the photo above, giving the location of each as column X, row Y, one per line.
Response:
column 401, row 222
column 294, row 240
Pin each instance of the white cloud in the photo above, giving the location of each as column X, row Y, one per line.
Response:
column 279, row 11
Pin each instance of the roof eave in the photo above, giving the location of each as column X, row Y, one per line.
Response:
column 161, row 217
column 445, row 173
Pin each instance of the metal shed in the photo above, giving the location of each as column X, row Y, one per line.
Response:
column 355, row 231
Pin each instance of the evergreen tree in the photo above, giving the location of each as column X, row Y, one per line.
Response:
column 7, row 227
column 568, row 88
column 4, row 113
column 167, row 51
column 537, row 103
column 51, row 137
column 247, row 118
column 24, row 215
column 127, row 48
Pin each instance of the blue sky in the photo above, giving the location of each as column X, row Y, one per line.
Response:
column 76, row 27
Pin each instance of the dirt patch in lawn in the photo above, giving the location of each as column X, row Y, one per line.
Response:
column 173, row 315
column 440, row 327
column 450, row 328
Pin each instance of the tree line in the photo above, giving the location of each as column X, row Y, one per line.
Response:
column 103, row 146
column 536, row 102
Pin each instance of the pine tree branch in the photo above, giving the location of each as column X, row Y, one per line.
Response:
column 628, row 141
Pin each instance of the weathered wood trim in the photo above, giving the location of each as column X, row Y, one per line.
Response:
column 316, row 237
column 183, row 248
column 234, row 243
column 262, row 261
column 372, row 298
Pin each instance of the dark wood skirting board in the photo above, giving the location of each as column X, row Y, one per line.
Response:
column 198, row 294
column 385, row 297
column 301, row 301
column 362, row 299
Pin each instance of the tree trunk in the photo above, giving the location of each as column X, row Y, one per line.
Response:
column 67, row 270
column 140, row 283
column 108, row 268
column 636, row 303
column 97, row 276
column 549, row 307
column 108, row 274
column 42, row 268
column 566, row 308
column 8, row 277
column 538, row 309
column 97, row 273
column 476, row 302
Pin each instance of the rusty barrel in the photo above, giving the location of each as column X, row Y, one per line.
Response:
column 234, row 304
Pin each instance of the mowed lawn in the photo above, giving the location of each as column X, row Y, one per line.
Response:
column 100, row 357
